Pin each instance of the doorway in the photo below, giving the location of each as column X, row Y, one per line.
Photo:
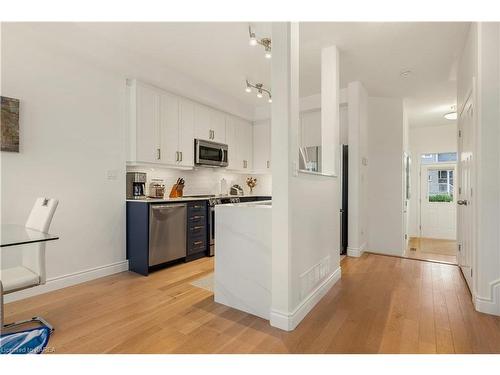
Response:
column 436, row 238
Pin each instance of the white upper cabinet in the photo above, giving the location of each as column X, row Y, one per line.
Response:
column 240, row 140
column 245, row 137
column 161, row 127
column 186, row 133
column 262, row 146
column 209, row 124
column 310, row 128
column 145, row 113
column 202, row 128
column 169, row 128
column 218, row 126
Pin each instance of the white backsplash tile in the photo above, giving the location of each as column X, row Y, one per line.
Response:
column 201, row 181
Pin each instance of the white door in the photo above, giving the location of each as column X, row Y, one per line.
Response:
column 169, row 129
column 186, row 133
column 465, row 187
column 437, row 201
column 148, row 124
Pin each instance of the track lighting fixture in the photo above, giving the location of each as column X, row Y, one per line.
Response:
column 266, row 42
column 260, row 90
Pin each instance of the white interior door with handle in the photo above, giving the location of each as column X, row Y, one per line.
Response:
column 465, row 189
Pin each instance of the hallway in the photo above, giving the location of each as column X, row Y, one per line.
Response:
column 381, row 304
column 432, row 249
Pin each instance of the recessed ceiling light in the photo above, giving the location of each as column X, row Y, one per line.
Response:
column 451, row 116
column 405, row 73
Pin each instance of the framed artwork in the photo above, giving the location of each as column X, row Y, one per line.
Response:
column 9, row 123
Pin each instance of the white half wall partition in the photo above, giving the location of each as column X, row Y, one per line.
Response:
column 305, row 214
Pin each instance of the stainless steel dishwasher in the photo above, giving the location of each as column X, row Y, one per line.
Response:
column 167, row 232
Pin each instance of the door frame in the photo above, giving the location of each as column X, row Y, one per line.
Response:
column 420, row 192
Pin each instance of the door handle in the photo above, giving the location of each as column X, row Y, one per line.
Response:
column 462, row 202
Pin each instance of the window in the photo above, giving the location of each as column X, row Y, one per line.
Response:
column 440, row 185
column 443, row 157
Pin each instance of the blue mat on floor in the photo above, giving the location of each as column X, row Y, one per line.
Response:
column 32, row 341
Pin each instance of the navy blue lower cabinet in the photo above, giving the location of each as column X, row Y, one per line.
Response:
column 138, row 237
column 138, row 216
column 197, row 230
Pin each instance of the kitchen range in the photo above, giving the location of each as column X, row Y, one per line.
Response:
column 164, row 231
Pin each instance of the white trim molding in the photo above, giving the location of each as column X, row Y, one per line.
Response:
column 489, row 305
column 289, row 321
column 356, row 251
column 64, row 281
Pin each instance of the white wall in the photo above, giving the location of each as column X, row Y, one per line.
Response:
column 487, row 267
column 385, row 175
column 429, row 139
column 202, row 181
column 480, row 62
column 72, row 133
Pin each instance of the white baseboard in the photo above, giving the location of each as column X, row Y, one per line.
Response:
column 489, row 305
column 64, row 281
column 289, row 321
column 356, row 251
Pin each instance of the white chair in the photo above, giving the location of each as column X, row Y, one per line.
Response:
column 31, row 272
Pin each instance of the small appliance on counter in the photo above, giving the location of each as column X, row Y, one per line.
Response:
column 136, row 184
column 177, row 190
column 157, row 188
column 236, row 190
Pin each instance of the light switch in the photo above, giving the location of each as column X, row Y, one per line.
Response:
column 112, row 174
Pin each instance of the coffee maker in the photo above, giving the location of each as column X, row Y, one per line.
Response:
column 136, row 185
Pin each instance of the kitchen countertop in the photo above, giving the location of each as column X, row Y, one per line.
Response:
column 188, row 199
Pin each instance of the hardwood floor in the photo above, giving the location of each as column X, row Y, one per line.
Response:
column 381, row 305
column 432, row 249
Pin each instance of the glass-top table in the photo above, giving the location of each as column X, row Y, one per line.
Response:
column 13, row 234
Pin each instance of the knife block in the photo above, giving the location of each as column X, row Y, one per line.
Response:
column 177, row 191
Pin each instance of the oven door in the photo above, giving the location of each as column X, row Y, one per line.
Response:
column 210, row 153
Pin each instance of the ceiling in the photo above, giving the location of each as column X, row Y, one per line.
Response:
column 376, row 54
column 218, row 54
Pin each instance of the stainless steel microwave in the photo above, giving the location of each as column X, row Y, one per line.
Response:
column 210, row 153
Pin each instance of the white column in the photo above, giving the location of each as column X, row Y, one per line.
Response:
column 330, row 100
column 284, row 122
column 357, row 133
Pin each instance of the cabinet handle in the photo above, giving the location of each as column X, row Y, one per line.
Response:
column 181, row 155
column 267, row 163
column 158, row 154
column 176, row 155
column 197, row 227
column 197, row 242
column 196, row 217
